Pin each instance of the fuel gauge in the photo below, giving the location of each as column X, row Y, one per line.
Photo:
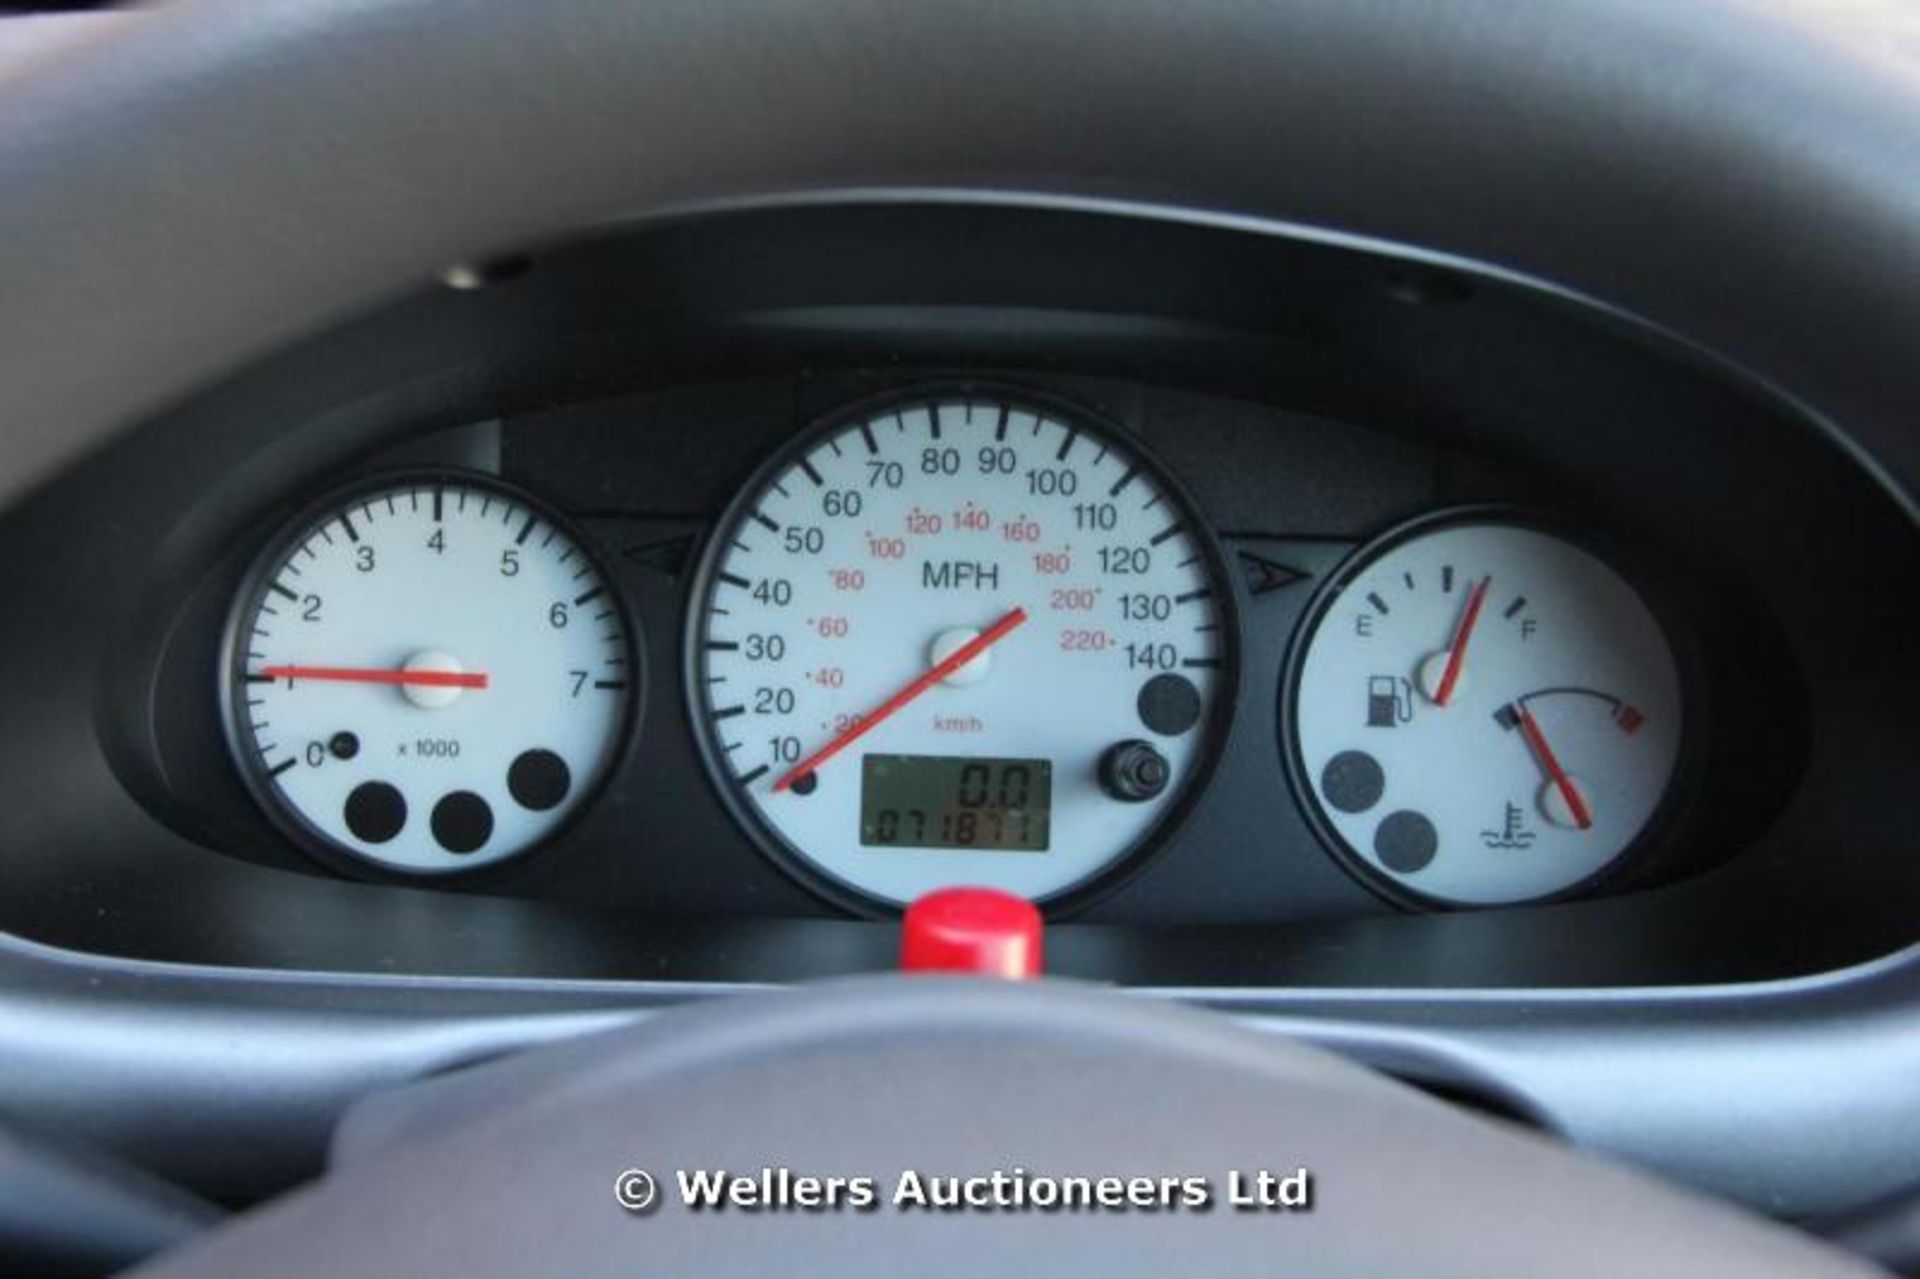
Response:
column 1484, row 712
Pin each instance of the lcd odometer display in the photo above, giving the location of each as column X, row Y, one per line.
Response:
column 954, row 801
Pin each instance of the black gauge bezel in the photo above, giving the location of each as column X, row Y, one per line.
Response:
column 280, row 812
column 796, row 863
column 1636, row 570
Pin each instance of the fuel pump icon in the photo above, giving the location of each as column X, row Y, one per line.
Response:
column 1389, row 701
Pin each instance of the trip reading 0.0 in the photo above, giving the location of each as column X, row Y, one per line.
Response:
column 953, row 801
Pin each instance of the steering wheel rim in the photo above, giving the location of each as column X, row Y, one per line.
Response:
column 517, row 1165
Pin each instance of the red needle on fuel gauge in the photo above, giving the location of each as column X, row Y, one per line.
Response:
column 1457, row 651
column 927, row 679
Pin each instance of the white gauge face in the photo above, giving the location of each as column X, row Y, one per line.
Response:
column 960, row 641
column 1486, row 713
column 430, row 676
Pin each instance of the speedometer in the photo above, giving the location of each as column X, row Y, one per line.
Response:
column 963, row 639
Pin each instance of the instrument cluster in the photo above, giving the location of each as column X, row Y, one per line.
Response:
column 963, row 632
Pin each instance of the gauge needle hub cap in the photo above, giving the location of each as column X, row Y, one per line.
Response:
column 951, row 641
column 434, row 696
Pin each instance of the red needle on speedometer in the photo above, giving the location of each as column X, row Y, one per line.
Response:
column 378, row 675
column 1457, row 651
column 932, row 675
column 1530, row 729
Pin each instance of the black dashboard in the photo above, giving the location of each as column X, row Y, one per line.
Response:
column 1393, row 523
column 1291, row 497
column 1308, row 402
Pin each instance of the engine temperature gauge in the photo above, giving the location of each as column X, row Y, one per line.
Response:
column 1484, row 713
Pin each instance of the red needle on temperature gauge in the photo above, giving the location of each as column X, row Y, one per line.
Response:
column 932, row 675
column 1530, row 729
column 1457, row 651
column 379, row 675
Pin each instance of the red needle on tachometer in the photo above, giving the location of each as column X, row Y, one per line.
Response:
column 376, row 675
column 1457, row 651
column 1530, row 729
column 932, row 675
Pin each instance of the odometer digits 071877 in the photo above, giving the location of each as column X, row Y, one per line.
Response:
column 964, row 639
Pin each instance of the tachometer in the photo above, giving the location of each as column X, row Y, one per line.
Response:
column 427, row 675
column 964, row 639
